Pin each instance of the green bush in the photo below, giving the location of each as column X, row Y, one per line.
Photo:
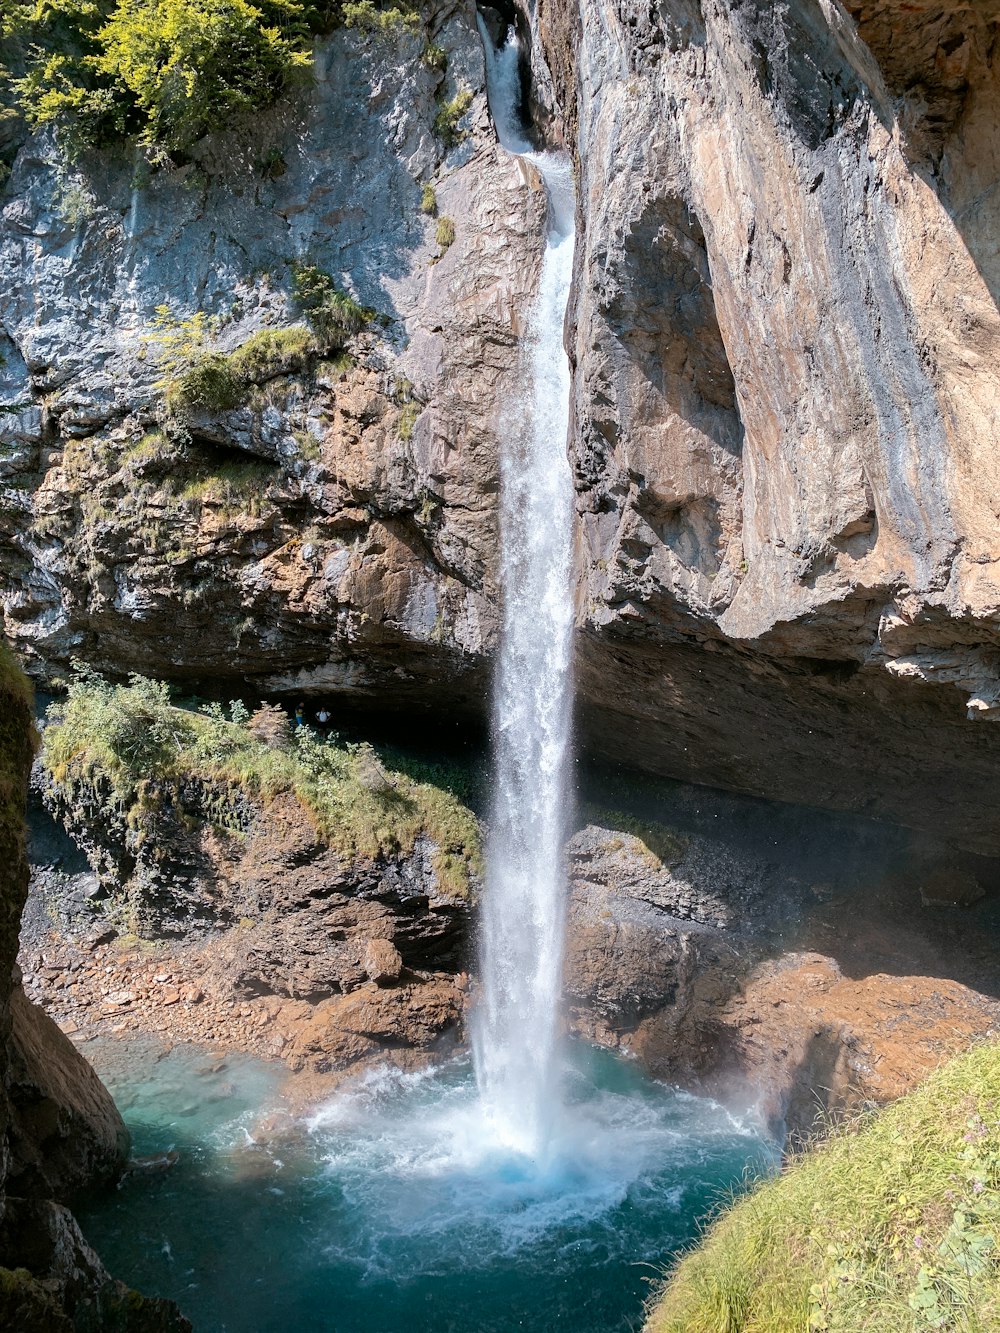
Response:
column 271, row 352
column 166, row 71
column 449, row 114
column 202, row 378
column 208, row 384
column 126, row 739
column 236, row 486
column 368, row 17
column 444, row 233
column 333, row 315
column 890, row 1226
column 407, row 420
column 428, row 200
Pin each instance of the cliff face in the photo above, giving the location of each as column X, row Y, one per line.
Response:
column 785, row 336
column 59, row 1129
column 334, row 530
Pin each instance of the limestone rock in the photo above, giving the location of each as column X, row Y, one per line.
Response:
column 66, row 1134
column 950, row 886
column 335, row 534
column 59, row 1128
column 289, row 914
column 778, row 992
column 344, row 1030
column 785, row 432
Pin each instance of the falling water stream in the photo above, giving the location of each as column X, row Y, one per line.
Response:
column 516, row 1023
column 545, row 1186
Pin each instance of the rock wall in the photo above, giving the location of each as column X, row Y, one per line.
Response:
column 59, row 1129
column 788, row 961
column 357, row 556
column 784, row 336
column 785, row 340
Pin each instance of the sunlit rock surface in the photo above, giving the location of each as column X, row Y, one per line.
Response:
column 786, row 343
column 359, row 557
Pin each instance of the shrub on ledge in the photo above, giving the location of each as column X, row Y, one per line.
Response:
column 205, row 379
column 128, row 744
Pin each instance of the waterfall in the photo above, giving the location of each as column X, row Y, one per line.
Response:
column 516, row 1023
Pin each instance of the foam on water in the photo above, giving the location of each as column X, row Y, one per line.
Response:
column 391, row 1207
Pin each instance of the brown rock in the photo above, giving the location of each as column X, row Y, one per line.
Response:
column 950, row 886
column 65, row 1131
column 383, row 962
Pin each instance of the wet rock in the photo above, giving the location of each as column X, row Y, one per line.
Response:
column 60, row 1132
column 789, row 996
column 950, row 886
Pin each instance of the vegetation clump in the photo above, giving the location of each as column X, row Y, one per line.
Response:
column 235, row 486
column 444, row 233
column 408, row 420
column 200, row 377
column 428, row 200
column 369, row 17
column 165, row 72
column 125, row 744
column 333, row 315
column 446, row 122
column 889, row 1226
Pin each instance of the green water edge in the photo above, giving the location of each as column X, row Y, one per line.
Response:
column 389, row 1210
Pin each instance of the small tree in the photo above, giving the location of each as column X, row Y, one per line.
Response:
column 270, row 725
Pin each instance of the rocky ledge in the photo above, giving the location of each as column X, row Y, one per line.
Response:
column 784, row 960
column 787, row 962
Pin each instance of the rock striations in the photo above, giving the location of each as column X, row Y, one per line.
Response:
column 786, row 344
column 327, row 524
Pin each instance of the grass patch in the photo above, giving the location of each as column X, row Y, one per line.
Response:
column 446, row 122
column 444, row 233
column 889, row 1226
column 126, row 743
column 209, row 384
column 428, row 200
column 407, row 420
column 233, row 486
column 271, row 352
column 201, row 378
column 153, row 448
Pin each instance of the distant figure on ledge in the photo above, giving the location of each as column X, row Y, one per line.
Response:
column 323, row 719
column 300, row 715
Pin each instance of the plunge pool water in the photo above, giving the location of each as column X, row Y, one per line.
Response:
column 388, row 1212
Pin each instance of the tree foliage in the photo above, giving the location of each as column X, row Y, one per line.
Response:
column 166, row 71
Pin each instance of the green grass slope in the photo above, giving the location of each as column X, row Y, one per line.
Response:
column 889, row 1225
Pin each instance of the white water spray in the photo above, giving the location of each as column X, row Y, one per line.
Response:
column 522, row 923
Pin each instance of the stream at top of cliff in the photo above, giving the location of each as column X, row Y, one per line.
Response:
column 388, row 1209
